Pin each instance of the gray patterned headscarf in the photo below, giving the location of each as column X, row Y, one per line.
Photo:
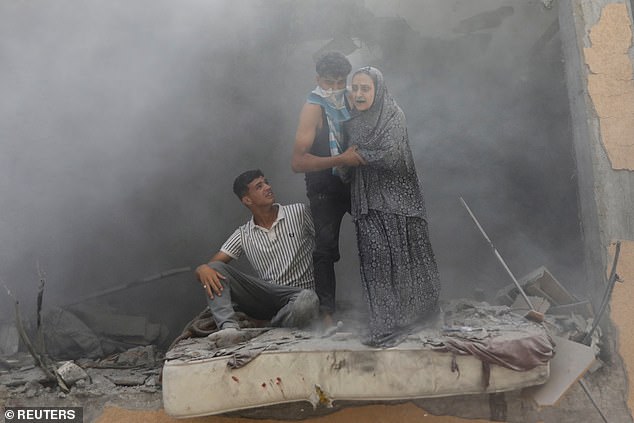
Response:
column 368, row 129
column 388, row 182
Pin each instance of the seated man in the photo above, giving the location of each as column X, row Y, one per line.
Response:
column 278, row 241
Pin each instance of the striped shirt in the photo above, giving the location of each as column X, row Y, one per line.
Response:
column 283, row 254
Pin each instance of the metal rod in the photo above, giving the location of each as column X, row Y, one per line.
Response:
column 587, row 391
column 606, row 295
column 499, row 257
column 112, row 290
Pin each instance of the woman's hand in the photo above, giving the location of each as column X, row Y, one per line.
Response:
column 351, row 158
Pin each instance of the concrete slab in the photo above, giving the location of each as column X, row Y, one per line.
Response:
column 570, row 363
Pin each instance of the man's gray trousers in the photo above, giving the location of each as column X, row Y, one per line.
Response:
column 285, row 306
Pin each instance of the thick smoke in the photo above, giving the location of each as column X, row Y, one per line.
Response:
column 123, row 125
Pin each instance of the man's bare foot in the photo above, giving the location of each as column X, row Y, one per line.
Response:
column 332, row 329
column 227, row 337
column 233, row 336
column 328, row 321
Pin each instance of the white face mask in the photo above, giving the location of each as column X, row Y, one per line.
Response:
column 334, row 97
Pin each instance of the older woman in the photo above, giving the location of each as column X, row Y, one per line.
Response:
column 398, row 269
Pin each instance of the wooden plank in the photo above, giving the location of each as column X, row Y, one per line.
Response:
column 570, row 363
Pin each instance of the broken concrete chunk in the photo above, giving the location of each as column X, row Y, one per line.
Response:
column 541, row 304
column 138, row 356
column 20, row 377
column 151, row 381
column 20, row 389
column 33, row 389
column 144, row 356
column 570, row 363
column 100, row 383
column 125, row 377
column 506, row 295
column 541, row 283
column 129, row 380
column 66, row 336
column 71, row 373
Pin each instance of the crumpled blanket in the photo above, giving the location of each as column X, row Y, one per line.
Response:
column 520, row 354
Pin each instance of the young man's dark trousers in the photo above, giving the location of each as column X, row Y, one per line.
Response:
column 328, row 211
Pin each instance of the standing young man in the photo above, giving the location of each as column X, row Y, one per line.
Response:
column 320, row 152
column 278, row 242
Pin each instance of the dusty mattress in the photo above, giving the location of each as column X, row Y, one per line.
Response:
column 474, row 350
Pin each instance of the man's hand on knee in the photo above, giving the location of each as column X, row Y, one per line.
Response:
column 210, row 279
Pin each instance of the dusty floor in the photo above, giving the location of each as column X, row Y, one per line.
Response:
column 372, row 413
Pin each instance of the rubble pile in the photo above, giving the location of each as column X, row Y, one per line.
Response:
column 462, row 327
column 565, row 315
column 135, row 370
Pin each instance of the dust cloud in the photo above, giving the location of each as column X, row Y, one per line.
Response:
column 123, row 125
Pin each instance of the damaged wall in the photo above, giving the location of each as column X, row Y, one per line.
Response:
column 599, row 67
column 599, row 57
column 610, row 83
column 608, row 54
